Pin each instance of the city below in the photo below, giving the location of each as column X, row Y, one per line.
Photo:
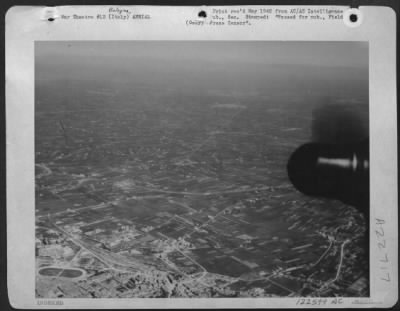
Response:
column 171, row 193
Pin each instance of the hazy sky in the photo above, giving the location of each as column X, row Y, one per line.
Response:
column 310, row 53
column 199, row 62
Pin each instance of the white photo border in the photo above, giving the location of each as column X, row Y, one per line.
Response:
column 26, row 25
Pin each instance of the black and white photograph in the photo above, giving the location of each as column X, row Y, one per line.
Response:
column 201, row 169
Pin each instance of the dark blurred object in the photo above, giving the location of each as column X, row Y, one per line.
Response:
column 340, row 123
column 337, row 171
column 336, row 163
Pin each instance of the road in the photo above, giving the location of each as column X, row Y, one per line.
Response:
column 325, row 253
column 106, row 261
column 208, row 221
column 209, row 193
column 341, row 260
column 69, row 210
column 46, row 170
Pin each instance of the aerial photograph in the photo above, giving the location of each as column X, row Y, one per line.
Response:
column 161, row 169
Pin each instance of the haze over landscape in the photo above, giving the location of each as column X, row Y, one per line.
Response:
column 161, row 169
